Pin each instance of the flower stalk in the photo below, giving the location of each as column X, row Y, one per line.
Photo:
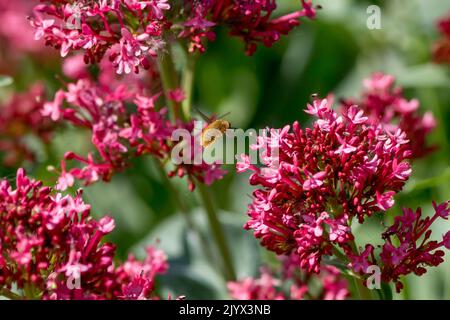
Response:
column 170, row 81
column 9, row 294
column 217, row 232
column 185, row 212
column 187, row 83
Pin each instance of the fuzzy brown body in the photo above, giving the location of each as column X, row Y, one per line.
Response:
column 214, row 131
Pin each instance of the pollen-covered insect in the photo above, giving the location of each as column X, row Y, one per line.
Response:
column 214, row 130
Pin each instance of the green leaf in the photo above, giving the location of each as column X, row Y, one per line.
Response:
column 425, row 75
column 428, row 183
column 331, row 260
column 5, row 81
column 386, row 290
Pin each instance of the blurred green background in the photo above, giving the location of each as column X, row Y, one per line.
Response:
column 329, row 55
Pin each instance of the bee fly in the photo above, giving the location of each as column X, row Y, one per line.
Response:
column 214, row 130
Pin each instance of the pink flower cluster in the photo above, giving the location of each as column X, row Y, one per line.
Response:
column 249, row 20
column 315, row 181
column 291, row 283
column 124, row 123
column 408, row 248
column 51, row 248
column 15, row 29
column 20, row 116
column 133, row 31
column 441, row 50
column 384, row 103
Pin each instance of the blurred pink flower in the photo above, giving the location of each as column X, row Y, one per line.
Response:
column 441, row 49
column 20, row 116
column 15, row 30
column 177, row 95
column 291, row 283
column 75, row 68
column 384, row 104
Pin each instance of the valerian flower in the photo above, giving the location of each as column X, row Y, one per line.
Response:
column 133, row 29
column 385, row 104
column 16, row 34
column 441, row 50
column 132, row 32
column 20, row 116
column 51, row 248
column 176, row 95
column 315, row 181
column 120, row 132
column 289, row 282
column 252, row 21
column 407, row 248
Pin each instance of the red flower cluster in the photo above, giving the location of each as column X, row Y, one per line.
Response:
column 21, row 116
column 15, row 31
column 51, row 249
column 408, row 248
column 132, row 31
column 249, row 20
column 441, row 49
column 124, row 124
column 384, row 103
column 315, row 181
column 291, row 283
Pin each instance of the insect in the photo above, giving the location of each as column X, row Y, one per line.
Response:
column 214, row 130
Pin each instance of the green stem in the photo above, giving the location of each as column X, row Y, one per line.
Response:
column 357, row 288
column 339, row 255
column 9, row 294
column 364, row 292
column 169, row 81
column 29, row 291
column 361, row 290
column 187, row 83
column 51, row 158
column 217, row 232
column 184, row 210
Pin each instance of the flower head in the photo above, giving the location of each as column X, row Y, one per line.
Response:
column 407, row 248
column 289, row 282
column 441, row 49
column 97, row 27
column 20, row 116
column 51, row 243
column 120, row 133
column 135, row 27
column 313, row 182
column 384, row 104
